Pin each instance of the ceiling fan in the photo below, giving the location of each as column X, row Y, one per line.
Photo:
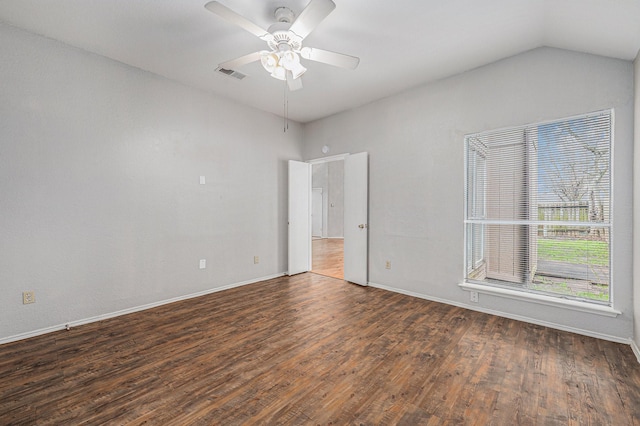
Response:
column 284, row 39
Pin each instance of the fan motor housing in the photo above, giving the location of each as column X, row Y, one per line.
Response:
column 282, row 35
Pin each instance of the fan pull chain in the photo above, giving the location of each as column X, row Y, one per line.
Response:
column 285, row 107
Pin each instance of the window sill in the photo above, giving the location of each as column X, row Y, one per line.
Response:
column 542, row 299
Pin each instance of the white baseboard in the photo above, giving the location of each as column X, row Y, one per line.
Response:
column 507, row 315
column 635, row 348
column 22, row 336
column 96, row 318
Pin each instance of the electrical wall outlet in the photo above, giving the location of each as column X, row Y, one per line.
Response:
column 256, row 259
column 473, row 296
column 388, row 264
column 28, row 297
column 203, row 180
column 203, row 263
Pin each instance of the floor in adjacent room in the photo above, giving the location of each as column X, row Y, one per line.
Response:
column 328, row 257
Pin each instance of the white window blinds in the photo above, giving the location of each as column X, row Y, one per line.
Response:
column 538, row 207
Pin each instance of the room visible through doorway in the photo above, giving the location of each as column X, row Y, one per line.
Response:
column 328, row 219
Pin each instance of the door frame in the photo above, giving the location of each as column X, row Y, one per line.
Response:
column 325, row 213
column 329, row 159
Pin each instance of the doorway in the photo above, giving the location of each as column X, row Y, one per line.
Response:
column 327, row 207
column 354, row 226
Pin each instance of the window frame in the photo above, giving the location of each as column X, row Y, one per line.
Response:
column 477, row 258
column 481, row 286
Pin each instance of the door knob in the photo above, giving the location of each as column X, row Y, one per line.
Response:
column 362, row 225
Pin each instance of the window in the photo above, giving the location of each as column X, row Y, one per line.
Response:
column 538, row 208
column 475, row 205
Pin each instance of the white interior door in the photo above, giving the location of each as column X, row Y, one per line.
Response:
column 317, row 209
column 356, row 218
column 299, row 217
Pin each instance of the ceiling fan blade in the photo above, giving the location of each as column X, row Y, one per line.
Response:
column 311, row 16
column 239, row 20
column 331, row 58
column 243, row 60
column 293, row 83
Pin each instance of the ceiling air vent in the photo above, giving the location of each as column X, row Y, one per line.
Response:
column 231, row 73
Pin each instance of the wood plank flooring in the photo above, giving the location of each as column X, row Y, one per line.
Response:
column 313, row 350
column 328, row 257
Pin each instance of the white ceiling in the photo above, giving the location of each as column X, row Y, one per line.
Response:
column 401, row 44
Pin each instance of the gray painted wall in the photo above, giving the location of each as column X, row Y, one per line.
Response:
column 336, row 199
column 100, row 204
column 320, row 179
column 416, row 170
column 101, row 209
column 330, row 177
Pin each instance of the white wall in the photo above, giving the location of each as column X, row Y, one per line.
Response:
column 330, row 177
column 415, row 141
column 100, row 204
column 636, row 209
column 320, row 179
column 336, row 199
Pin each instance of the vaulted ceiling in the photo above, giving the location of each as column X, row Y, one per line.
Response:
column 401, row 44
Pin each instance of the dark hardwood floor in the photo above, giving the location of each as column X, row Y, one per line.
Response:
column 328, row 257
column 310, row 349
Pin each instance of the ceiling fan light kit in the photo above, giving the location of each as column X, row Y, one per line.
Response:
column 284, row 39
column 282, row 62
